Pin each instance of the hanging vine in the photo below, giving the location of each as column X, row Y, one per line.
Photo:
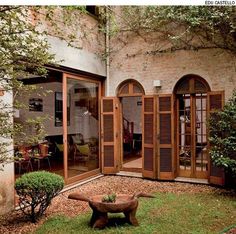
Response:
column 175, row 28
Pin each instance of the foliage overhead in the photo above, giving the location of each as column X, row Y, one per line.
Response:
column 23, row 53
column 36, row 191
column 222, row 126
column 184, row 27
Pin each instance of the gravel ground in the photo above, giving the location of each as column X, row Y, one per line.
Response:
column 15, row 223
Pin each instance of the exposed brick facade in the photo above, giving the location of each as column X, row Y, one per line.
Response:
column 133, row 61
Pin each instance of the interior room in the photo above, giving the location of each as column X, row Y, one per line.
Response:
column 46, row 105
column 132, row 132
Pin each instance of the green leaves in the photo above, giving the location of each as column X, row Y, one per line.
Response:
column 184, row 27
column 222, row 126
column 23, row 53
column 37, row 189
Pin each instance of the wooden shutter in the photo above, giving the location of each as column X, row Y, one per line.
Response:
column 215, row 102
column 109, row 135
column 165, row 146
column 148, row 136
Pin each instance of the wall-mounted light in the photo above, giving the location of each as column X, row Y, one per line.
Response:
column 157, row 83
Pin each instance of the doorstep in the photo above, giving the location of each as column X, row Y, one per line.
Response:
column 191, row 180
column 129, row 174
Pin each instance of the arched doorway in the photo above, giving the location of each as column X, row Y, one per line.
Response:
column 191, row 127
column 130, row 94
column 130, row 88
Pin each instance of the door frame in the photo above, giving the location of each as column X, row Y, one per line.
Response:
column 129, row 85
column 121, row 135
column 191, row 89
column 192, row 173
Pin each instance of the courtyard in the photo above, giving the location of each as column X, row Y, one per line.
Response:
column 176, row 208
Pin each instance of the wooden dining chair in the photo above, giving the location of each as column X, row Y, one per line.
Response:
column 43, row 154
column 23, row 158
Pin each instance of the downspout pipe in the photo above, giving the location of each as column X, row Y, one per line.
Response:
column 107, row 52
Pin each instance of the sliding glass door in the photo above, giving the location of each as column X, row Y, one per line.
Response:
column 81, row 127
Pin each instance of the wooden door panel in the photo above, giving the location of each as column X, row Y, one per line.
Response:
column 165, row 137
column 108, row 130
column 148, row 136
column 215, row 103
column 165, row 160
column 109, row 156
column 109, row 135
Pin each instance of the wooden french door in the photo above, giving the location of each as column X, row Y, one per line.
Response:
column 165, row 137
column 149, row 159
column 110, row 135
column 215, row 102
column 192, row 135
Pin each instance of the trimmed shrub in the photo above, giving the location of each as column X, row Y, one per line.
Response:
column 36, row 191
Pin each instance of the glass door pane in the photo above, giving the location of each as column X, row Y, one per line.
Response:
column 40, row 145
column 83, row 127
column 201, row 161
column 184, row 114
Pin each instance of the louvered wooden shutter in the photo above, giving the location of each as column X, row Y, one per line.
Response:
column 215, row 102
column 109, row 135
column 148, row 136
column 165, row 146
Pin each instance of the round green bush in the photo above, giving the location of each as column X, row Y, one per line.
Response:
column 36, row 190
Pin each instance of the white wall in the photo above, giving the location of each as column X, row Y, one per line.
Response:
column 85, row 51
column 48, row 107
column 74, row 58
column 7, row 174
column 132, row 112
column 79, row 123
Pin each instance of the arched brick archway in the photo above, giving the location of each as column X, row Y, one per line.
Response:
column 130, row 88
column 191, row 84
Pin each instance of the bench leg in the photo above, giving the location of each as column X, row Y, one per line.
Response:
column 130, row 216
column 98, row 219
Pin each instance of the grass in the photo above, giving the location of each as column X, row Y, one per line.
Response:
column 167, row 213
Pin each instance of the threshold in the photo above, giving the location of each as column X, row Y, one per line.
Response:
column 191, row 180
column 129, row 174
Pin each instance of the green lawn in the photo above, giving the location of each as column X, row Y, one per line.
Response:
column 167, row 213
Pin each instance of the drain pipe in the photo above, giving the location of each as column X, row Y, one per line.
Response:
column 107, row 52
